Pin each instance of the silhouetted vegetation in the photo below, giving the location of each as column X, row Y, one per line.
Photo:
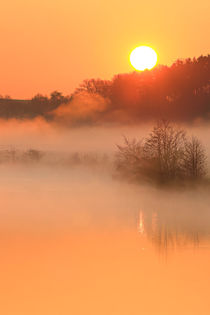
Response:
column 93, row 160
column 39, row 105
column 14, row 155
column 180, row 92
column 166, row 155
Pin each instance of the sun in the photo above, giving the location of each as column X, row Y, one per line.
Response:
column 143, row 57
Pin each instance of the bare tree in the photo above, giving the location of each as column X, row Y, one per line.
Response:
column 165, row 146
column 129, row 157
column 194, row 159
column 165, row 155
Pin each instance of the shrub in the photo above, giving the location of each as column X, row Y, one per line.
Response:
column 165, row 155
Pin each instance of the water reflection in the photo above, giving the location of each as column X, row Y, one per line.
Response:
column 168, row 229
column 70, row 245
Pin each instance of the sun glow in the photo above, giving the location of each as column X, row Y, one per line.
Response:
column 143, row 58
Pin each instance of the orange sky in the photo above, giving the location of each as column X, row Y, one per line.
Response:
column 48, row 45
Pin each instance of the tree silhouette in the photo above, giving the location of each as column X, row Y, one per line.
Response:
column 164, row 146
column 164, row 156
column 180, row 92
column 194, row 159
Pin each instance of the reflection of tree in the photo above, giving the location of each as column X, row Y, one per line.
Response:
column 167, row 230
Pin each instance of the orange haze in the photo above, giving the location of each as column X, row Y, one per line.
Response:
column 56, row 44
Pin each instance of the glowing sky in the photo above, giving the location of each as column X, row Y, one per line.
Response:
column 51, row 44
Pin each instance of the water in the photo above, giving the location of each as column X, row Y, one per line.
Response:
column 76, row 241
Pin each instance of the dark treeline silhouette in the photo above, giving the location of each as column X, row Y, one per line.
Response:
column 180, row 92
column 165, row 155
column 39, row 105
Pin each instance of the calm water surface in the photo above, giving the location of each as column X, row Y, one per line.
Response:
column 78, row 242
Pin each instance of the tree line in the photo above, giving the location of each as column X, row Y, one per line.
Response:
column 39, row 105
column 180, row 92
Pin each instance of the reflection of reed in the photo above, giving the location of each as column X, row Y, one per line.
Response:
column 169, row 231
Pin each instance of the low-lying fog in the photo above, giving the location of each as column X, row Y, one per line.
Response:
column 40, row 134
column 76, row 240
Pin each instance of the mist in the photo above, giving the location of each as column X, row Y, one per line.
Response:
column 51, row 138
column 104, row 165
column 70, row 226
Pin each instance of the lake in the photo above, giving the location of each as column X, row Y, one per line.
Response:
column 78, row 241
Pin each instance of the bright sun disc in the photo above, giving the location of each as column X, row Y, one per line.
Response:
column 143, row 58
